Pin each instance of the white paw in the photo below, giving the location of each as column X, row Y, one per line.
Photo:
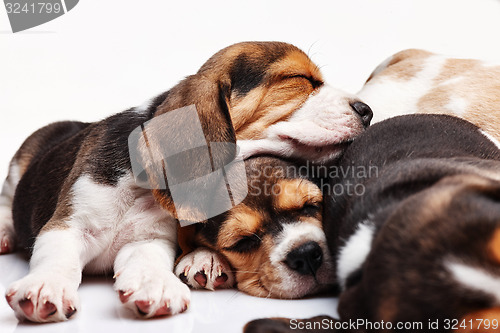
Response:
column 151, row 292
column 43, row 298
column 7, row 235
column 204, row 268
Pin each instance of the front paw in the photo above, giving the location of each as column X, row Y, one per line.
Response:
column 151, row 293
column 43, row 298
column 204, row 268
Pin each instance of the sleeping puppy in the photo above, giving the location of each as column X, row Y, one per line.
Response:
column 417, row 81
column 425, row 229
column 272, row 244
column 72, row 201
column 414, row 227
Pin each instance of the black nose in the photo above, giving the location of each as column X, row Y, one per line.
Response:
column 305, row 259
column 364, row 111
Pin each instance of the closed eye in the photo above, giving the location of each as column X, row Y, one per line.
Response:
column 245, row 244
column 315, row 83
column 310, row 209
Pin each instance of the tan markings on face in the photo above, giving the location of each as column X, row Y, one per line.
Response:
column 284, row 89
column 404, row 65
column 292, row 194
column 242, row 221
column 296, row 63
column 476, row 87
column 494, row 245
column 255, row 273
column 485, row 316
column 251, row 268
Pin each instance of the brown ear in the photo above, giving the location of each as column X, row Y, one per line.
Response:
column 189, row 137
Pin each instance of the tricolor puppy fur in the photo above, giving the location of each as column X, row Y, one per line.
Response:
column 272, row 244
column 421, row 242
column 418, row 81
column 71, row 201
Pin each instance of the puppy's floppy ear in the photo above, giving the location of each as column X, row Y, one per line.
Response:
column 185, row 145
column 211, row 99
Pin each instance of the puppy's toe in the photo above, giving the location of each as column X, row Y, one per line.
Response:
column 41, row 298
column 152, row 294
column 204, row 268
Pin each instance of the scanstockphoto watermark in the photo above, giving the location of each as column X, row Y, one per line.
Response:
column 350, row 178
column 329, row 324
column 439, row 325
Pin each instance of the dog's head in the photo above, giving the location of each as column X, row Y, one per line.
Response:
column 276, row 99
column 436, row 256
column 274, row 239
column 268, row 97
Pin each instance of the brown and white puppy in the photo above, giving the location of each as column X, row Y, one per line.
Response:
column 414, row 229
column 272, row 243
column 72, row 201
column 417, row 81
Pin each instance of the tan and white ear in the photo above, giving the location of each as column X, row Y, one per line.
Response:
column 182, row 151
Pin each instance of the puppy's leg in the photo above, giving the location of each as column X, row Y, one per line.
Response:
column 49, row 291
column 204, row 268
column 7, row 235
column 145, row 280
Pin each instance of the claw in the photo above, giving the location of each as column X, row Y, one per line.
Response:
column 124, row 295
column 219, row 281
column 164, row 310
column 8, row 297
column 71, row 312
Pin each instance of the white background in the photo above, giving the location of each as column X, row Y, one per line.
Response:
column 105, row 56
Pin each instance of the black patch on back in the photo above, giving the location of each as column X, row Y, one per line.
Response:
column 38, row 190
column 110, row 158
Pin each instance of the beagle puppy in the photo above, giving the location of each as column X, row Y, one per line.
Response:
column 418, row 81
column 72, row 201
column 414, row 229
column 272, row 244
